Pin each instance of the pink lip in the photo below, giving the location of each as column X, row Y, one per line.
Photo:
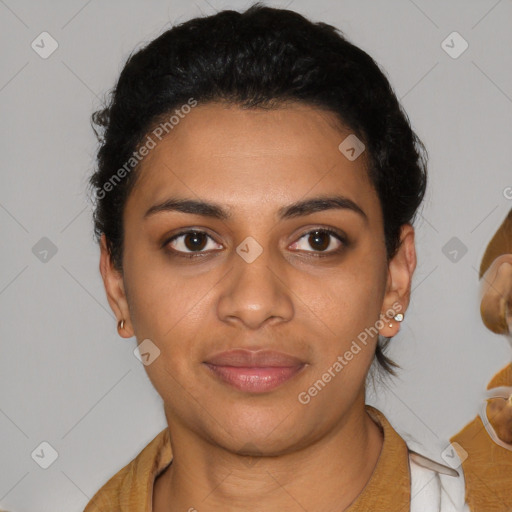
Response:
column 254, row 372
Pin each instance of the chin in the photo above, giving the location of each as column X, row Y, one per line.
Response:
column 259, row 433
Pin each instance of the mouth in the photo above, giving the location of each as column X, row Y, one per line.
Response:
column 254, row 372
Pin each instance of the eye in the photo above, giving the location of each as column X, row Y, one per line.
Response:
column 189, row 242
column 194, row 243
column 321, row 240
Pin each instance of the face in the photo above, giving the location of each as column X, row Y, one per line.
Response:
column 304, row 282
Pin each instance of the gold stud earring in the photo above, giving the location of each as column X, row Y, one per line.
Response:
column 120, row 325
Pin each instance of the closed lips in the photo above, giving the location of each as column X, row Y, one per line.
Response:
column 254, row 371
column 254, row 359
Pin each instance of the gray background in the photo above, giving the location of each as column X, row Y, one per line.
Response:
column 67, row 378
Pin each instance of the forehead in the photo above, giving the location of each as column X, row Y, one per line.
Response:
column 251, row 158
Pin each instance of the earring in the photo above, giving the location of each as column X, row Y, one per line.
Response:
column 398, row 317
column 120, row 325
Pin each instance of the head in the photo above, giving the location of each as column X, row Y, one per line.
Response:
column 238, row 127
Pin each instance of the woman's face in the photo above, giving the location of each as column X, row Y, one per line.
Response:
column 259, row 279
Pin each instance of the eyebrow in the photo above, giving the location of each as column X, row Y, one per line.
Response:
column 297, row 209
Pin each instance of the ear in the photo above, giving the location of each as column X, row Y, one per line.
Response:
column 114, row 287
column 496, row 295
column 398, row 288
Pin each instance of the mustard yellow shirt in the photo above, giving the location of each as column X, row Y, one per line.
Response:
column 131, row 488
column 487, row 471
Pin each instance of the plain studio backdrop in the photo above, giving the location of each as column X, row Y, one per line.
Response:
column 70, row 382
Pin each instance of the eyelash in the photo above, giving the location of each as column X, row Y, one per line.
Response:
column 316, row 254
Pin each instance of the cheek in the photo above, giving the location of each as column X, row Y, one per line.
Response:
column 163, row 301
column 170, row 309
column 345, row 303
column 343, row 311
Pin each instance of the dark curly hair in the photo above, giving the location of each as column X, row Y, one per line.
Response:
column 260, row 58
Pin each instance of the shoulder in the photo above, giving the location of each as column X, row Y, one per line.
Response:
column 434, row 485
column 129, row 488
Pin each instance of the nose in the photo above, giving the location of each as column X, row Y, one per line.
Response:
column 255, row 292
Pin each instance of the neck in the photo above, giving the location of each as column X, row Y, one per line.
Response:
column 325, row 476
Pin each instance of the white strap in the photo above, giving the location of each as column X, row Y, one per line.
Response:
column 435, row 487
column 425, row 489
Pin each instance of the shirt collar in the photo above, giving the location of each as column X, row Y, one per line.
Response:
column 389, row 487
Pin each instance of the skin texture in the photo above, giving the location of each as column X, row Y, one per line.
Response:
column 234, row 450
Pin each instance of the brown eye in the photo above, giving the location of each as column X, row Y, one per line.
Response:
column 190, row 242
column 195, row 241
column 320, row 240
